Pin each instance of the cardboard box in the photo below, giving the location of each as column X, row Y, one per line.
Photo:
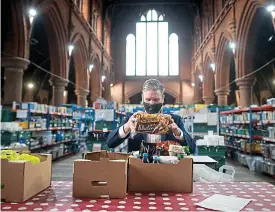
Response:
column 148, row 177
column 21, row 180
column 101, row 174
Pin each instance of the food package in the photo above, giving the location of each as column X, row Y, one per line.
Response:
column 14, row 156
column 153, row 123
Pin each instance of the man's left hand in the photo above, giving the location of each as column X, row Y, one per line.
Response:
column 175, row 129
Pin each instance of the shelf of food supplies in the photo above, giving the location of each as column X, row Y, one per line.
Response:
column 243, row 150
column 267, row 122
column 53, row 144
column 202, row 133
column 235, row 135
column 268, row 107
column 36, row 129
column 100, row 131
column 60, row 128
column 32, row 111
column 268, row 139
column 61, row 114
column 247, row 109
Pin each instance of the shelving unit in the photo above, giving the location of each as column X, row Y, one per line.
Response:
column 250, row 132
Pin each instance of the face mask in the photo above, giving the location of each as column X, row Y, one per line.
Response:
column 152, row 108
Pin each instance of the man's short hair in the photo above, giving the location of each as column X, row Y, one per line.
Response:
column 153, row 84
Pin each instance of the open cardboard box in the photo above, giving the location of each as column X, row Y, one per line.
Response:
column 101, row 174
column 21, row 180
column 148, row 177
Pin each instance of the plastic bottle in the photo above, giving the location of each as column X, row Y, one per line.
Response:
column 145, row 158
column 155, row 159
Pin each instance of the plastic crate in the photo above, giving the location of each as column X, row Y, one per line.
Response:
column 99, row 125
column 221, row 161
column 212, row 151
column 96, row 146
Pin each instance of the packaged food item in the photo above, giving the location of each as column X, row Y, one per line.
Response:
column 14, row 156
column 153, row 123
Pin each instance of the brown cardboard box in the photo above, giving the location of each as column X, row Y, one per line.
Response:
column 148, row 177
column 21, row 179
column 101, row 173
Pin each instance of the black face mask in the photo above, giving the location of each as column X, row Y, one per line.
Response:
column 152, row 108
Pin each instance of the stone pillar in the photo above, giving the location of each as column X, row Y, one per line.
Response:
column 58, row 90
column 222, row 96
column 81, row 96
column 208, row 100
column 245, row 87
column 14, row 68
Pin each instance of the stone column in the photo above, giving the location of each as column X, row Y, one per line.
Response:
column 58, row 90
column 222, row 96
column 81, row 96
column 14, row 68
column 208, row 100
column 245, row 87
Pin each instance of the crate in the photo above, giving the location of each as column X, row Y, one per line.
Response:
column 94, row 146
column 221, row 161
column 212, row 151
column 110, row 125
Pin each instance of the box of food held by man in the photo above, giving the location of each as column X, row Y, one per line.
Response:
column 24, row 175
column 101, row 174
column 153, row 123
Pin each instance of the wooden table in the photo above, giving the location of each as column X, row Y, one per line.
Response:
column 59, row 198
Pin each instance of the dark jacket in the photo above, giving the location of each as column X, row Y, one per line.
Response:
column 134, row 143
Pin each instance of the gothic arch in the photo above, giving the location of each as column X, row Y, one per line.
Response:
column 16, row 42
column 208, row 81
column 80, row 55
column 247, row 16
column 95, row 79
column 224, row 54
column 57, row 37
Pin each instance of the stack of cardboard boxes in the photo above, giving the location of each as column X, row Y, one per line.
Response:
column 98, row 175
column 105, row 174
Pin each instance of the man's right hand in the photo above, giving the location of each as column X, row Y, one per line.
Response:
column 131, row 124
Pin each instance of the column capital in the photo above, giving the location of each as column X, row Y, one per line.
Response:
column 208, row 99
column 14, row 62
column 58, row 82
column 222, row 92
column 245, row 82
column 82, row 92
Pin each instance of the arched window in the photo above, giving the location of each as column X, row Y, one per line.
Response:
column 152, row 48
column 130, row 55
column 173, row 54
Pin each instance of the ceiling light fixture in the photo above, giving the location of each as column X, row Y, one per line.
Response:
column 213, row 66
column 32, row 14
column 70, row 48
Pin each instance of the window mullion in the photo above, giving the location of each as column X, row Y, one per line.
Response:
column 157, row 48
column 146, row 50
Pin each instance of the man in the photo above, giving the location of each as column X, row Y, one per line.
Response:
column 153, row 99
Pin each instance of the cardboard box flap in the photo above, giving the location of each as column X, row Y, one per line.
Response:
column 97, row 156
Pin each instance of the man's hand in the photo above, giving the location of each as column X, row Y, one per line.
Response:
column 131, row 124
column 175, row 129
